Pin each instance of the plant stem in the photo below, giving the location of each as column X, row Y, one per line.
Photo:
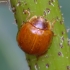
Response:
column 58, row 55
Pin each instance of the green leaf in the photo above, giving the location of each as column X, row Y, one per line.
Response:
column 58, row 55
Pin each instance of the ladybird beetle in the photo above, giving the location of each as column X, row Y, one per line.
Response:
column 35, row 36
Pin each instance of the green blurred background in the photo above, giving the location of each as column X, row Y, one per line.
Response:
column 11, row 56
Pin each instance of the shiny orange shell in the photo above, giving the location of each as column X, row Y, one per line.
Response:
column 34, row 37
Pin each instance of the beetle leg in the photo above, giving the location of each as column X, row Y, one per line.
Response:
column 27, row 12
column 38, row 56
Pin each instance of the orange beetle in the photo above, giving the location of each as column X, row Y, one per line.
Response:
column 34, row 37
